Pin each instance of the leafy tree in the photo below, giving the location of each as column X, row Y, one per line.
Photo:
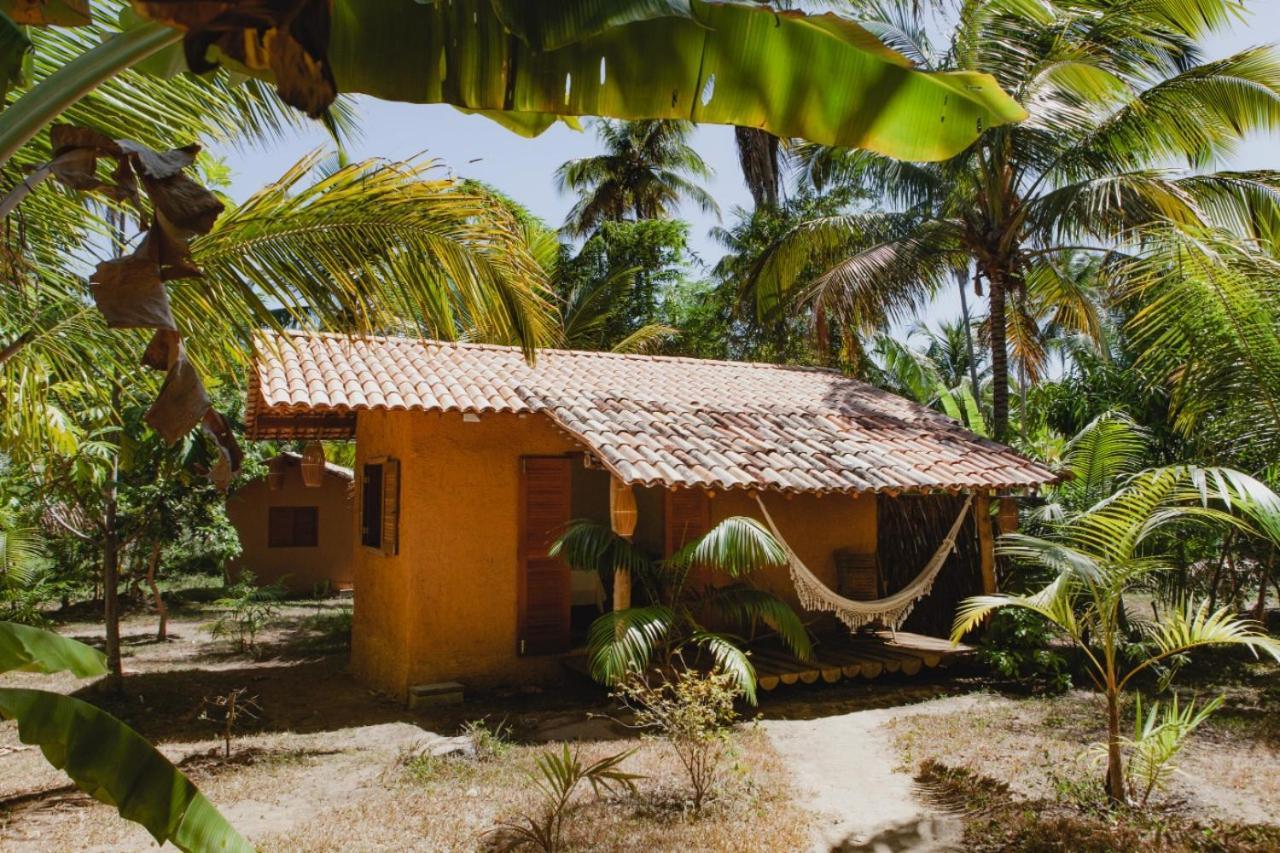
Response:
column 1114, row 91
column 1104, row 553
column 647, row 169
column 614, row 289
column 679, row 600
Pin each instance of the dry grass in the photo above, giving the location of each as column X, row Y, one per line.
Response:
column 324, row 769
column 1037, row 750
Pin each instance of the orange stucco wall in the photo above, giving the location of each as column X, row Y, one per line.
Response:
column 303, row 570
column 445, row 607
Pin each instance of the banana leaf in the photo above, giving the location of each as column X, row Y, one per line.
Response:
column 116, row 765
column 816, row 77
column 35, row 650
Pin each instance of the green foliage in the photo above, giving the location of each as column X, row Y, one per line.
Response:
column 1016, row 644
column 1103, row 554
column 671, row 623
column 245, row 611
column 693, row 712
column 648, row 168
column 490, row 742
column 1158, row 737
column 104, row 757
column 558, row 777
column 616, row 285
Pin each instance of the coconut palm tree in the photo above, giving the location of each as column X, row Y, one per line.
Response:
column 647, row 169
column 1115, row 92
column 1103, row 554
column 679, row 600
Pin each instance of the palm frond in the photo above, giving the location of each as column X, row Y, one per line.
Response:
column 745, row 605
column 737, row 546
column 626, row 641
column 730, row 660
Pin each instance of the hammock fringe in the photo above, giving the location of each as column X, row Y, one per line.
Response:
column 891, row 610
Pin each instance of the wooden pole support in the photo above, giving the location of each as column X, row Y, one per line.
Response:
column 986, row 541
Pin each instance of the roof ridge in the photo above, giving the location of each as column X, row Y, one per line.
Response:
column 575, row 353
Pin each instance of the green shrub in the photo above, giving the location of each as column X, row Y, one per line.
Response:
column 693, row 712
column 245, row 611
column 1017, row 645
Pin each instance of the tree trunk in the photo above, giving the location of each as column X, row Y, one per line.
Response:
column 968, row 331
column 162, row 633
column 111, row 578
column 1115, row 759
column 999, row 358
column 758, row 157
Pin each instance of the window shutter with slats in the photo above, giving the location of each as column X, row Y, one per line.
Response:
column 544, row 581
column 391, row 507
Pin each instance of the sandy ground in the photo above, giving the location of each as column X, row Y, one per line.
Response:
column 850, row 775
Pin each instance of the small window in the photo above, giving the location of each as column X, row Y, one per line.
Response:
column 371, row 508
column 293, row 526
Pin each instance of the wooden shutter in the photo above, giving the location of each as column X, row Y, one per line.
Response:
column 544, row 583
column 293, row 526
column 391, row 507
column 687, row 516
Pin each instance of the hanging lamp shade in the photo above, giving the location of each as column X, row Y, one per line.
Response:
column 622, row 508
column 313, row 465
column 275, row 473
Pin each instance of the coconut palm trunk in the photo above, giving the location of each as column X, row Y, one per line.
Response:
column 999, row 355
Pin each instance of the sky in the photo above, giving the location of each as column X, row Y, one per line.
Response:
column 474, row 147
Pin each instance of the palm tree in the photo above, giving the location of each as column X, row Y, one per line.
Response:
column 1104, row 553
column 680, row 600
column 647, row 170
column 1114, row 92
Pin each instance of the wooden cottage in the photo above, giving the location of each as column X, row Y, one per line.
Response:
column 296, row 533
column 470, row 460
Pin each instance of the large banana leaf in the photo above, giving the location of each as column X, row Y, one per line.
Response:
column 817, row 77
column 34, row 650
column 115, row 764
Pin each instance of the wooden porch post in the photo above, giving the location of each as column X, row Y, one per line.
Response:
column 622, row 518
column 986, row 542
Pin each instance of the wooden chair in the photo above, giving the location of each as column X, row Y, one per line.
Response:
column 858, row 575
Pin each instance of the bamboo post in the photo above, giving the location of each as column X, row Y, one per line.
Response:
column 622, row 518
column 986, row 542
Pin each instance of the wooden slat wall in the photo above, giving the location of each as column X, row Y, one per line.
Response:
column 544, row 593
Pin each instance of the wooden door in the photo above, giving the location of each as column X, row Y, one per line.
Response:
column 544, row 587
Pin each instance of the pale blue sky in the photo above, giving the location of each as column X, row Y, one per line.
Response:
column 474, row 147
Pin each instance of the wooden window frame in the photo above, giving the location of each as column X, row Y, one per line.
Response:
column 388, row 517
column 293, row 513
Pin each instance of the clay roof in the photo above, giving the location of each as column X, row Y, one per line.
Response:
column 649, row 419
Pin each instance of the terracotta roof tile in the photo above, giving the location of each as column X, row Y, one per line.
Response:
column 651, row 419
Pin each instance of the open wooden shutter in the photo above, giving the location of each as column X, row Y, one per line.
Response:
column 391, row 507
column 687, row 516
column 544, row 600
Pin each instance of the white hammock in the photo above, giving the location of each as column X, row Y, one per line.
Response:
column 891, row 610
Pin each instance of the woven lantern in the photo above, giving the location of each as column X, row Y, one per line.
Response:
column 275, row 473
column 622, row 508
column 313, row 465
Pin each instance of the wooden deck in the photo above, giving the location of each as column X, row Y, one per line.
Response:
column 855, row 656
column 839, row 656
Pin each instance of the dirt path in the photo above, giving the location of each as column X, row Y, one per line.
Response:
column 847, row 767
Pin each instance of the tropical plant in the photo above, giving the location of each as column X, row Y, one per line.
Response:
column 647, row 169
column 1114, row 92
column 1158, row 737
column 104, row 757
column 1103, row 554
column 693, row 712
column 680, row 598
column 559, row 777
column 245, row 610
column 523, row 66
